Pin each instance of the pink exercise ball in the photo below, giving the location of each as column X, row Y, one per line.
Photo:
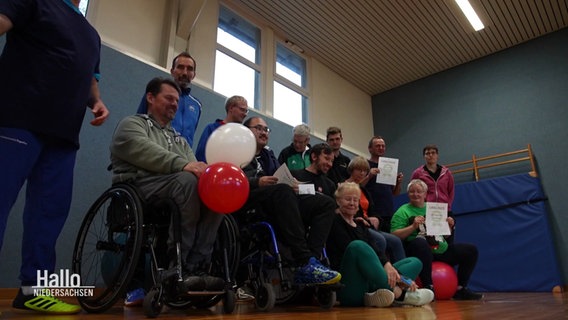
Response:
column 444, row 279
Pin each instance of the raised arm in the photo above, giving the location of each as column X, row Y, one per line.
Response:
column 398, row 187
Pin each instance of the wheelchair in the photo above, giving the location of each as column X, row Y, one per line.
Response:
column 266, row 267
column 122, row 234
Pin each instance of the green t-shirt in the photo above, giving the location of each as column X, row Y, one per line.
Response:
column 298, row 161
column 401, row 219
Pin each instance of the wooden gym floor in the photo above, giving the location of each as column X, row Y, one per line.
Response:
column 517, row 306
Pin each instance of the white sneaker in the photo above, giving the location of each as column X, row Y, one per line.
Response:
column 242, row 295
column 380, row 298
column 419, row 297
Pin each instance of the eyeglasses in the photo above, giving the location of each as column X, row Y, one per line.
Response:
column 261, row 128
column 243, row 109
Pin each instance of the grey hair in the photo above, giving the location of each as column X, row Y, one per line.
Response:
column 233, row 101
column 301, row 130
column 346, row 187
column 419, row 182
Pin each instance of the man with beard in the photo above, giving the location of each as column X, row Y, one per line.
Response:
column 189, row 108
column 321, row 157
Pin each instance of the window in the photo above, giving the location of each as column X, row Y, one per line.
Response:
column 239, row 71
column 290, row 95
column 83, row 7
column 237, row 64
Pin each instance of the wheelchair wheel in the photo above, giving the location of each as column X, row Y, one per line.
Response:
column 229, row 301
column 284, row 292
column 179, row 304
column 326, row 297
column 265, row 298
column 108, row 246
column 226, row 252
column 152, row 303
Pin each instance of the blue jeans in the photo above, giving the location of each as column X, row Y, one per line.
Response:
column 389, row 244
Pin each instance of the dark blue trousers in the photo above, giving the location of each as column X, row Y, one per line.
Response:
column 47, row 167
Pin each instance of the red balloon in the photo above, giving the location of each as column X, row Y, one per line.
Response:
column 223, row 187
column 444, row 279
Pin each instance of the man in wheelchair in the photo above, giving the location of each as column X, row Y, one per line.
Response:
column 291, row 214
column 147, row 152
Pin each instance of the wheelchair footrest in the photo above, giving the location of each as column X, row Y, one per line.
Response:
column 205, row 293
column 334, row 287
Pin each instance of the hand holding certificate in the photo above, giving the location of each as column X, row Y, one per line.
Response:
column 436, row 219
column 388, row 169
column 284, row 175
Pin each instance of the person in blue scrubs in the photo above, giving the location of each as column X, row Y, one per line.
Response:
column 48, row 77
column 189, row 107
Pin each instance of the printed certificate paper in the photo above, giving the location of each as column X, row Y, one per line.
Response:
column 388, row 168
column 284, row 175
column 436, row 215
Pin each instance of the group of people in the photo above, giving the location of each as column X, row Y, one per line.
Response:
column 374, row 251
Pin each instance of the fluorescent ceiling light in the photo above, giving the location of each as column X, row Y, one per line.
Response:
column 470, row 14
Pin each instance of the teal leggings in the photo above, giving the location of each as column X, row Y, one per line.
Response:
column 362, row 271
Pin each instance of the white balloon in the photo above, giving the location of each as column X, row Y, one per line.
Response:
column 231, row 142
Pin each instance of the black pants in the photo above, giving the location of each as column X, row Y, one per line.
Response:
column 463, row 255
column 294, row 217
column 317, row 214
column 385, row 223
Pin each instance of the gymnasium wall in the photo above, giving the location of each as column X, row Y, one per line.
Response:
column 493, row 105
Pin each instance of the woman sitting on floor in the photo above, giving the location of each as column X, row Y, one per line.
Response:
column 369, row 278
column 409, row 224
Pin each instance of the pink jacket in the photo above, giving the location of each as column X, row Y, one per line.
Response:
column 441, row 190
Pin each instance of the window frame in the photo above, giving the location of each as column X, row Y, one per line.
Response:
column 256, row 66
column 266, row 68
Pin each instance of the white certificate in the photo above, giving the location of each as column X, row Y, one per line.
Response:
column 284, row 175
column 388, row 170
column 306, row 188
column 436, row 219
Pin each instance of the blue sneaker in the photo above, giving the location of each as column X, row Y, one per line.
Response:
column 316, row 273
column 134, row 298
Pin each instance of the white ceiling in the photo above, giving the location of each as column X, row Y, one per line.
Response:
column 380, row 44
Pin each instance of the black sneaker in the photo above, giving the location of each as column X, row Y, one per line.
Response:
column 194, row 283
column 203, row 282
column 466, row 294
column 213, row 283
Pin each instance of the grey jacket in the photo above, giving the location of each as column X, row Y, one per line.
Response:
column 141, row 147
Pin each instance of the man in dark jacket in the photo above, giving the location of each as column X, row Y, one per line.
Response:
column 279, row 203
column 297, row 155
column 338, row 172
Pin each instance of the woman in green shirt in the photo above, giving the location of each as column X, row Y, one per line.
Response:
column 409, row 224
